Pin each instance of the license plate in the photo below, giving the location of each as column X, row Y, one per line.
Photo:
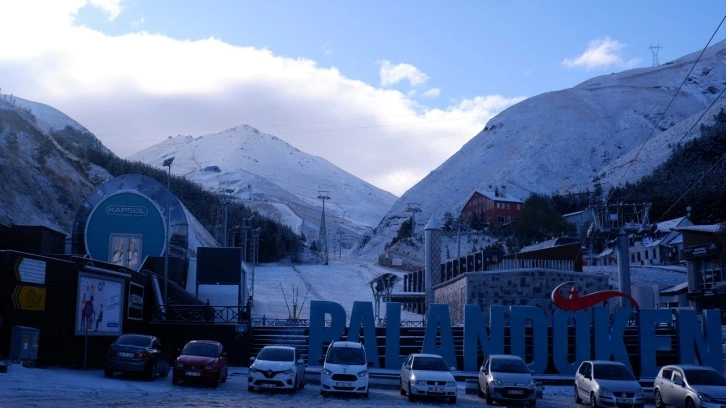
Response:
column 194, row 373
column 267, row 385
column 624, row 400
column 122, row 354
column 516, row 392
column 343, row 385
column 437, row 390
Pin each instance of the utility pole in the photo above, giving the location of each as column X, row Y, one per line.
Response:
column 255, row 244
column 227, row 196
column 654, row 50
column 323, row 236
column 167, row 163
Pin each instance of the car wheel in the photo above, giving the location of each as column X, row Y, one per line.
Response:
column 226, row 373
column 107, row 373
column 400, row 388
column 323, row 393
column 532, row 404
column 151, row 374
column 593, row 401
column 479, row 391
column 658, row 399
column 365, row 395
column 250, row 388
column 578, row 400
column 174, row 380
column 690, row 403
column 411, row 397
column 294, row 385
column 490, row 401
column 452, row 400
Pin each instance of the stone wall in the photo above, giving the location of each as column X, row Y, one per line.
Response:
column 520, row 287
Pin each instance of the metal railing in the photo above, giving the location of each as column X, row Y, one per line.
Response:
column 200, row 314
column 265, row 322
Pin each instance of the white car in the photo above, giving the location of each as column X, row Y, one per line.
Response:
column 689, row 386
column 277, row 367
column 607, row 383
column 427, row 375
column 506, row 378
column 345, row 369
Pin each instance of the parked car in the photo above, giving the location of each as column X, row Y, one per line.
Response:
column 506, row 378
column 137, row 353
column 345, row 369
column 202, row 361
column 277, row 367
column 689, row 386
column 427, row 375
column 607, row 383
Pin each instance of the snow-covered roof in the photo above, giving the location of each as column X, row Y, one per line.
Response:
column 494, row 197
column 712, row 228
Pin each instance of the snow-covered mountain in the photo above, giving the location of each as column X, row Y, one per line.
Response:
column 274, row 178
column 613, row 129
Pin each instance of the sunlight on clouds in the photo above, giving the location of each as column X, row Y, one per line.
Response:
column 111, row 7
column 393, row 74
column 601, row 53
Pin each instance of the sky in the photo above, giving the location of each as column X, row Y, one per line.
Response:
column 384, row 90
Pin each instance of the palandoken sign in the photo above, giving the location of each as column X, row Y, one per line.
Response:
column 700, row 342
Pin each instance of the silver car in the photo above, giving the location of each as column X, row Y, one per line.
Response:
column 427, row 375
column 506, row 378
column 689, row 386
column 607, row 383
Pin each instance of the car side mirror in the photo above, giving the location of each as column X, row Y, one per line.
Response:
column 252, row 359
column 453, row 368
column 322, row 360
column 370, row 364
column 223, row 354
column 407, row 366
column 300, row 361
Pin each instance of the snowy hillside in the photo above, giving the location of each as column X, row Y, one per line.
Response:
column 275, row 178
column 615, row 128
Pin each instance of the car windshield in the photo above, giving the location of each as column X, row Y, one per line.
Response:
column 429, row 363
column 345, row 355
column 509, row 366
column 276, row 354
column 134, row 340
column 704, row 377
column 200, row 349
column 612, row 372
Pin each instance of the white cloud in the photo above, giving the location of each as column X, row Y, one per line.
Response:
column 134, row 90
column 393, row 74
column 111, row 7
column 601, row 53
column 432, row 93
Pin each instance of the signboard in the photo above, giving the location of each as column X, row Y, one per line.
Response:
column 98, row 310
column 26, row 297
column 30, row 271
column 136, row 302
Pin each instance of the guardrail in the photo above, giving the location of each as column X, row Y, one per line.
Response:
column 200, row 314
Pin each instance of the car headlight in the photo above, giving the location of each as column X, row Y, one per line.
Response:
column 289, row 371
column 450, row 383
column 253, row 369
column 704, row 397
column 363, row 373
column 639, row 394
column 605, row 391
column 497, row 381
column 179, row 364
column 420, row 382
column 327, row 371
column 531, row 384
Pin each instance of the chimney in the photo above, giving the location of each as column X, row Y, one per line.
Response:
column 503, row 191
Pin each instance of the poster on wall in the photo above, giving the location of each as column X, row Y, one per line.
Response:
column 124, row 250
column 99, row 300
column 136, row 301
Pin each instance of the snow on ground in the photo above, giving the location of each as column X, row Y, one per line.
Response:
column 61, row 387
column 278, row 287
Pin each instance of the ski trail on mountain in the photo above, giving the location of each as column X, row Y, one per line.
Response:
column 307, row 284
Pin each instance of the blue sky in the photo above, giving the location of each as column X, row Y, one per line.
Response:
column 386, row 90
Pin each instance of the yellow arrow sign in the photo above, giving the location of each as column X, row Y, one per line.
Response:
column 29, row 298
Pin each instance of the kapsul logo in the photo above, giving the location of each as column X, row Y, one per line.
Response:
column 574, row 302
column 127, row 210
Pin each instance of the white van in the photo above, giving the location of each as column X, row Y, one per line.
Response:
column 345, row 369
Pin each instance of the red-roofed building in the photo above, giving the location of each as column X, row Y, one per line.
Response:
column 495, row 209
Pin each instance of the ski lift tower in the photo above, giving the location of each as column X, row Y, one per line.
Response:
column 323, row 237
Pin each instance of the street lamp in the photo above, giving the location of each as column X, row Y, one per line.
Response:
column 167, row 163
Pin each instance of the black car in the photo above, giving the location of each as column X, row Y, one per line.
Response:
column 137, row 353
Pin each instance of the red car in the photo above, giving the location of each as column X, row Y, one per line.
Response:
column 201, row 361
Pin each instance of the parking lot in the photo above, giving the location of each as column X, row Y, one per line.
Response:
column 62, row 387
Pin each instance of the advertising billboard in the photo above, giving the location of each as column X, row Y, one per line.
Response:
column 99, row 303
